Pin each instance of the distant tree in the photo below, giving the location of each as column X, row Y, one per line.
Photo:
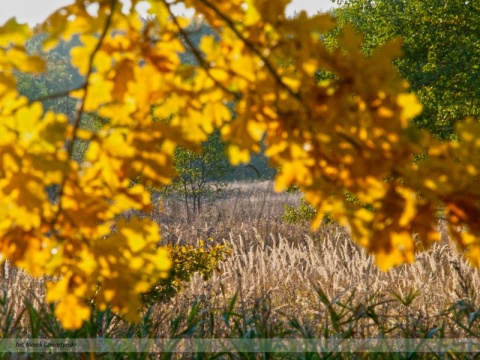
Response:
column 60, row 76
column 200, row 175
column 441, row 44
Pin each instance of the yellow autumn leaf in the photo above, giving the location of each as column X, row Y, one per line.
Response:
column 237, row 155
column 410, row 105
column 117, row 144
column 72, row 312
column 57, row 290
column 399, row 249
column 410, row 206
column 99, row 92
column 24, row 62
column 217, row 113
column 13, row 32
column 81, row 55
column 473, row 254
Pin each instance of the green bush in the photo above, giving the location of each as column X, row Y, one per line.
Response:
column 187, row 260
column 303, row 213
column 306, row 213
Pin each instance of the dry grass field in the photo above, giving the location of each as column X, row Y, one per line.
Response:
column 287, row 264
column 281, row 280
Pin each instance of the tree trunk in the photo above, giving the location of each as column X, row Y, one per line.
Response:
column 186, row 200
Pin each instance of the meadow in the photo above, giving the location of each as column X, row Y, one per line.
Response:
column 280, row 281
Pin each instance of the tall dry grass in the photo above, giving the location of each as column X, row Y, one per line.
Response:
column 284, row 280
column 290, row 265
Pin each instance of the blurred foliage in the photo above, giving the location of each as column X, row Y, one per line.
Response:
column 441, row 52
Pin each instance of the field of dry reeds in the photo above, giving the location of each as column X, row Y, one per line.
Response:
column 281, row 280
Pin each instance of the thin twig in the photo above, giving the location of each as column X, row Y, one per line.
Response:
column 59, row 94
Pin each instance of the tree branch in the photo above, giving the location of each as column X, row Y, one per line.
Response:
column 252, row 48
column 81, row 105
column 197, row 53
column 58, row 94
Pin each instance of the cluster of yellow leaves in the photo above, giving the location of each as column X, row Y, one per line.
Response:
column 450, row 177
column 113, row 269
column 75, row 237
column 349, row 134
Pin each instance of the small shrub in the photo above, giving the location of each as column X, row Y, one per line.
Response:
column 306, row 213
column 187, row 260
column 303, row 213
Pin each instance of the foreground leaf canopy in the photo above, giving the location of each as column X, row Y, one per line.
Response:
column 349, row 134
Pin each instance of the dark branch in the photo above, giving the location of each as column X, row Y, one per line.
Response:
column 58, row 94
